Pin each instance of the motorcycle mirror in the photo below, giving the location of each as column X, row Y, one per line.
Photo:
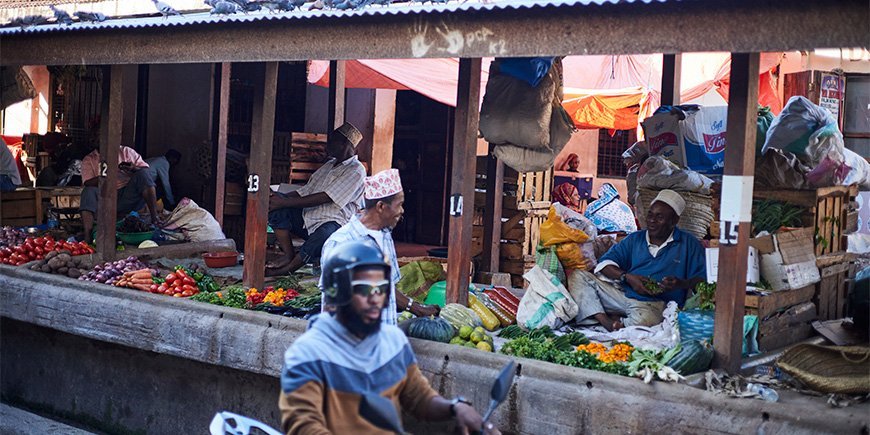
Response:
column 380, row 412
column 503, row 382
column 500, row 388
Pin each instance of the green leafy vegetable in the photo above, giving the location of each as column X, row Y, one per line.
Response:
column 770, row 215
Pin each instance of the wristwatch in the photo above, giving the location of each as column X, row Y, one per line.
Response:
column 622, row 277
column 457, row 400
column 410, row 304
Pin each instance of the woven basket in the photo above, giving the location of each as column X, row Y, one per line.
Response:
column 829, row 369
column 696, row 218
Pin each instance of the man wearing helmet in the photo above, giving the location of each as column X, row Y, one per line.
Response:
column 342, row 357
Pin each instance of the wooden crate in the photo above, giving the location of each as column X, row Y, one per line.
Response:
column 830, row 212
column 771, row 303
column 307, row 154
column 784, row 317
column 832, row 292
column 20, row 208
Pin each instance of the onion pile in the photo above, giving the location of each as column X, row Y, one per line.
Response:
column 108, row 273
column 11, row 237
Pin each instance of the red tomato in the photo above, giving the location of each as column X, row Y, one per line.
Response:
column 187, row 288
column 189, row 281
column 186, row 293
column 170, row 278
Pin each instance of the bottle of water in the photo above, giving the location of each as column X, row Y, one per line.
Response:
column 767, row 394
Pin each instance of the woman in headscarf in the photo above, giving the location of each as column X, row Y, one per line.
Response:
column 568, row 195
column 571, row 163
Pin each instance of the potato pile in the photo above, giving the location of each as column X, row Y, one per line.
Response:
column 62, row 263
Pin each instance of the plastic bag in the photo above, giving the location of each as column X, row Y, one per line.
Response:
column 657, row 173
column 528, row 69
column 780, row 169
column 860, row 170
column 546, row 257
column 556, row 233
column 691, row 136
column 806, row 130
column 636, row 153
column 546, row 302
column 762, row 124
column 576, row 220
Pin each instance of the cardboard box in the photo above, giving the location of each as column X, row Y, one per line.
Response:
column 788, row 259
column 753, row 273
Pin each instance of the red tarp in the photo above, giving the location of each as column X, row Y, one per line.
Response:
column 613, row 92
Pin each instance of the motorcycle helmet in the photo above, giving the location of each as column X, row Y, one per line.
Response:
column 339, row 267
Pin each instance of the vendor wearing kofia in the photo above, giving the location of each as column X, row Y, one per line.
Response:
column 135, row 187
column 340, row 358
column 384, row 201
column 330, row 198
column 661, row 254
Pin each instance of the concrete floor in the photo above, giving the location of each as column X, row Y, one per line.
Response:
column 15, row 421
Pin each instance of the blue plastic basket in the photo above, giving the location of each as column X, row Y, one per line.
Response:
column 695, row 325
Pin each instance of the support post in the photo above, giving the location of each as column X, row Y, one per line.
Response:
column 736, row 211
column 260, row 168
column 671, row 73
column 221, row 155
column 113, row 113
column 461, row 201
column 492, row 212
column 335, row 117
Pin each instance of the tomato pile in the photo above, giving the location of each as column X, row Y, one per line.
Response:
column 177, row 284
column 36, row 248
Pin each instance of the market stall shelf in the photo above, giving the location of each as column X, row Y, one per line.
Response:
column 830, row 211
column 832, row 292
column 784, row 316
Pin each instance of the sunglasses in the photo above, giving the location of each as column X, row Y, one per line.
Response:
column 368, row 288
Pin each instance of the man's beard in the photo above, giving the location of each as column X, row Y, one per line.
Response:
column 354, row 322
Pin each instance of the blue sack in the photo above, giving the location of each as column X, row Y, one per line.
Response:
column 528, row 69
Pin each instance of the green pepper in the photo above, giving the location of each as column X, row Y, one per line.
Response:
column 198, row 276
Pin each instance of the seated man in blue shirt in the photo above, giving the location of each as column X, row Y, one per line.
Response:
column 649, row 268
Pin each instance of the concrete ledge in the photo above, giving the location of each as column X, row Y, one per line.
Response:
column 14, row 421
column 546, row 398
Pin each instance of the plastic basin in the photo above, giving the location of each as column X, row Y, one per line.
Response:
column 135, row 238
column 220, row 259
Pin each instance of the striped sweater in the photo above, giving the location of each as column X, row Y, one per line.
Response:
column 327, row 369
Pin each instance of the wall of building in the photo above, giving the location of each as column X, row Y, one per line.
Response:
column 30, row 116
column 179, row 116
column 584, row 143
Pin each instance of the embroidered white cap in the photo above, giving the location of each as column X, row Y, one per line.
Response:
column 672, row 199
column 383, row 184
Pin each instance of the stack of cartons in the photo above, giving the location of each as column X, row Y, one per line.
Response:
column 788, row 264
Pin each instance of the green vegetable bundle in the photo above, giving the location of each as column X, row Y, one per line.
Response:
column 770, row 215
column 548, row 350
column 233, row 296
column 305, row 302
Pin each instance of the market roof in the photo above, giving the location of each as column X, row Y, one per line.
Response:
column 455, row 29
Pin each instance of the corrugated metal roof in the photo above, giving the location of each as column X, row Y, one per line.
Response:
column 373, row 10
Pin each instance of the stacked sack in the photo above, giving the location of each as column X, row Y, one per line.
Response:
column 522, row 112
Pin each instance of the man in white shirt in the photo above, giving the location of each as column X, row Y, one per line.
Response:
column 331, row 197
column 10, row 179
column 158, row 169
column 384, row 206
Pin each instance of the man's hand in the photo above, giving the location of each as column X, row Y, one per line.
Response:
column 126, row 167
column 470, row 421
column 636, row 282
column 420, row 310
column 274, row 201
column 673, row 283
